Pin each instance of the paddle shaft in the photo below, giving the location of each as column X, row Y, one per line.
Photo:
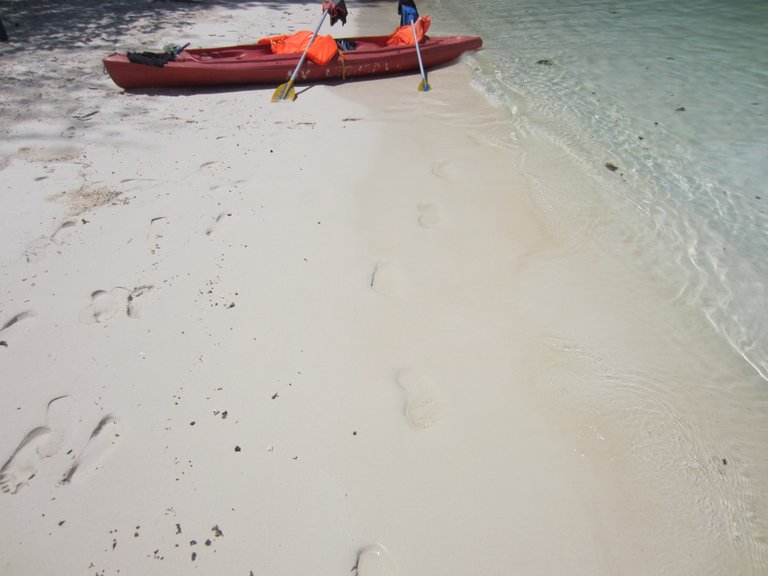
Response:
column 418, row 53
column 304, row 56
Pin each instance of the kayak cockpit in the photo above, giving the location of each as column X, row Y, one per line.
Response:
column 260, row 50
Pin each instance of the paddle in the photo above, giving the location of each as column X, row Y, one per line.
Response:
column 424, row 84
column 286, row 90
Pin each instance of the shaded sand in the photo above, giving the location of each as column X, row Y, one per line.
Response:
column 344, row 334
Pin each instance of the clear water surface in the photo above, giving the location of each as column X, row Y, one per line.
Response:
column 665, row 105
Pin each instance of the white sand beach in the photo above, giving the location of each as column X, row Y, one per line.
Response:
column 332, row 336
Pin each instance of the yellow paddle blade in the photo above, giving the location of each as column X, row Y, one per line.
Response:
column 284, row 92
column 424, row 86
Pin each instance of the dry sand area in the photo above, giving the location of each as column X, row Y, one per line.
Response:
column 333, row 336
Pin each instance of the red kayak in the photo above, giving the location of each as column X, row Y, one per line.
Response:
column 256, row 64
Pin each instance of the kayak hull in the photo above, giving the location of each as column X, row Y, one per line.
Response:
column 255, row 63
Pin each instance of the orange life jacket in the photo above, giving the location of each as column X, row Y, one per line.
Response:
column 404, row 34
column 321, row 52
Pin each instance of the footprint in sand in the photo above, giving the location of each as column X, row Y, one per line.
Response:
column 102, row 440
column 430, row 215
column 445, row 169
column 387, row 278
column 62, row 232
column 222, row 221
column 60, row 422
column 39, row 444
column 104, row 305
column 421, row 408
column 21, row 467
column 20, row 317
column 158, row 227
column 37, row 249
column 134, row 308
column 375, row 561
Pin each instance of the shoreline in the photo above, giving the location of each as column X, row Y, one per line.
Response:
column 658, row 192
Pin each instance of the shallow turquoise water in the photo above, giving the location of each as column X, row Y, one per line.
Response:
column 673, row 96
